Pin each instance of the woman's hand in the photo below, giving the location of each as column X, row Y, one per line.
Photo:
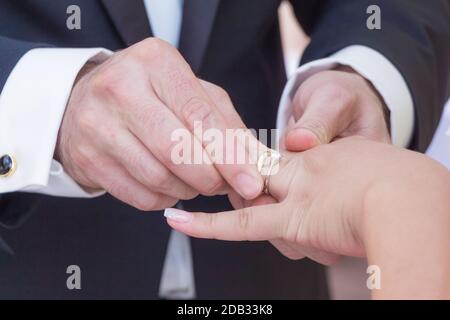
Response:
column 318, row 200
column 352, row 197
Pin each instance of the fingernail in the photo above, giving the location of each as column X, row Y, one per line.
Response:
column 247, row 186
column 316, row 136
column 177, row 215
column 301, row 139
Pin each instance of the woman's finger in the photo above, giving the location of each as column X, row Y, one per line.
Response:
column 252, row 224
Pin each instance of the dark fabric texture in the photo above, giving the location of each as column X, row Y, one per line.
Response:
column 120, row 250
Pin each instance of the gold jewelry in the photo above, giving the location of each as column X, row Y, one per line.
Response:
column 8, row 166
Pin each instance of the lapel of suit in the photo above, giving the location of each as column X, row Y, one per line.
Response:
column 198, row 21
column 129, row 18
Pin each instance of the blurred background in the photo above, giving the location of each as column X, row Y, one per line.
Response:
column 347, row 280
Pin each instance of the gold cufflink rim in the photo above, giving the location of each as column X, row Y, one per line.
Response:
column 13, row 168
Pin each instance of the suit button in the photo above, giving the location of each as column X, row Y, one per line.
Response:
column 7, row 165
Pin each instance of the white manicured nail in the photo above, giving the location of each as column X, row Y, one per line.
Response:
column 177, row 215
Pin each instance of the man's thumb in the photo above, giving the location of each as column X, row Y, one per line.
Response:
column 306, row 134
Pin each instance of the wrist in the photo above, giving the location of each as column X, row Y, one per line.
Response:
column 63, row 144
column 405, row 231
column 87, row 68
column 383, row 105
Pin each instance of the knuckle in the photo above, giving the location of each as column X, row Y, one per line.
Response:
column 197, row 110
column 151, row 50
column 243, row 219
column 154, row 116
column 150, row 113
column 135, row 159
column 166, row 152
column 117, row 189
column 213, row 187
column 159, row 179
column 219, row 94
column 100, row 80
column 153, row 44
column 147, row 203
column 292, row 230
column 210, row 221
column 107, row 132
column 109, row 83
column 222, row 93
column 167, row 203
column 87, row 120
column 181, row 80
column 189, row 194
column 337, row 92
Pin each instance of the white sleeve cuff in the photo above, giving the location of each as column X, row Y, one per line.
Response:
column 377, row 69
column 32, row 105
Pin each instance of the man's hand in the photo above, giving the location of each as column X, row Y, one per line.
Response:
column 116, row 132
column 332, row 105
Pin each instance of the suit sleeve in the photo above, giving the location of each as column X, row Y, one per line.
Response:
column 31, row 116
column 14, row 206
column 414, row 37
column 11, row 51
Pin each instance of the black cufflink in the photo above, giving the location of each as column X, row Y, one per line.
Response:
column 7, row 166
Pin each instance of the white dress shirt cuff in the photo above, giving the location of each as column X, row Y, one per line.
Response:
column 377, row 69
column 32, row 105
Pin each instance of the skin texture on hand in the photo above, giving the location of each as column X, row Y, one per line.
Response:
column 305, row 183
column 352, row 197
column 117, row 128
column 328, row 106
column 335, row 104
column 406, row 230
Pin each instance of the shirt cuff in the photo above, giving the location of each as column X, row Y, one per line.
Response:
column 377, row 69
column 32, row 106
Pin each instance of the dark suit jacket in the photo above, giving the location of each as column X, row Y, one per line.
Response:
column 235, row 44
